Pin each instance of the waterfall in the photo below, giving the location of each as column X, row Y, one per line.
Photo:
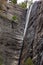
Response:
column 27, row 21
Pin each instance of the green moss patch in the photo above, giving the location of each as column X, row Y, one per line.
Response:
column 28, row 62
column 14, row 17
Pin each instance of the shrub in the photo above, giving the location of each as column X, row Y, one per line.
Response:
column 14, row 1
column 14, row 17
column 23, row 5
column 28, row 62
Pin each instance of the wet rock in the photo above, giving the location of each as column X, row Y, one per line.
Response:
column 34, row 36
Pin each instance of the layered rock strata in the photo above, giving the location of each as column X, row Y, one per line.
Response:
column 11, row 37
column 33, row 42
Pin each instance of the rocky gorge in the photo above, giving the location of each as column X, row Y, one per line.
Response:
column 12, row 43
column 33, row 41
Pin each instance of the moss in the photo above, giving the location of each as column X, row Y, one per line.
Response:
column 14, row 17
column 28, row 62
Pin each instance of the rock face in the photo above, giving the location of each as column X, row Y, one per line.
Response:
column 11, row 38
column 33, row 42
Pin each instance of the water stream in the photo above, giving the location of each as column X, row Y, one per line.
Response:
column 27, row 21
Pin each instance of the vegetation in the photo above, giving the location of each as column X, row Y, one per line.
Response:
column 14, row 1
column 28, row 62
column 14, row 17
column 23, row 5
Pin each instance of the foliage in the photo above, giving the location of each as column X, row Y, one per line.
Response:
column 23, row 5
column 14, row 17
column 28, row 62
column 14, row 1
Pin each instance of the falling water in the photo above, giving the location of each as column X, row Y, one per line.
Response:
column 27, row 20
